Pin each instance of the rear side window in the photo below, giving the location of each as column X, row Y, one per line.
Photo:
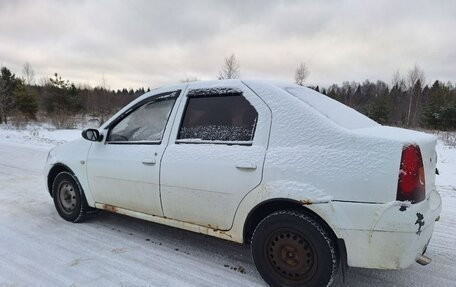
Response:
column 218, row 118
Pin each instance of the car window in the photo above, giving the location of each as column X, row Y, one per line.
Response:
column 219, row 118
column 145, row 124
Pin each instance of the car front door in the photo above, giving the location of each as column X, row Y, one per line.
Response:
column 215, row 154
column 123, row 170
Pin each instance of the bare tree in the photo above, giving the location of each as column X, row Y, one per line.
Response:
column 414, row 75
column 28, row 73
column 415, row 80
column 190, row 79
column 398, row 80
column 43, row 81
column 301, row 74
column 230, row 69
column 102, row 105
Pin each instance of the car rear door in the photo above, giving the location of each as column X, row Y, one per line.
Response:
column 215, row 154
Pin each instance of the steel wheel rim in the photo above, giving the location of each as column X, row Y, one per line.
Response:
column 67, row 197
column 291, row 255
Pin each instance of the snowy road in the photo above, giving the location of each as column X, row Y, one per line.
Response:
column 38, row 248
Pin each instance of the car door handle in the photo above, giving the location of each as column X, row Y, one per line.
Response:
column 246, row 165
column 150, row 161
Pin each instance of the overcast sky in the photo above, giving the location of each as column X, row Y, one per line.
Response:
column 150, row 43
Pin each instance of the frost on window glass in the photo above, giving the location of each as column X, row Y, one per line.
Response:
column 147, row 123
column 221, row 118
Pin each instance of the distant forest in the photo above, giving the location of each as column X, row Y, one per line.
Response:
column 414, row 106
column 407, row 102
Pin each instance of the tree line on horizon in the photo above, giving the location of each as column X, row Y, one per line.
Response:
column 57, row 100
column 408, row 102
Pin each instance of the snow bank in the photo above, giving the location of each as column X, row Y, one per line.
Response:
column 38, row 135
column 446, row 158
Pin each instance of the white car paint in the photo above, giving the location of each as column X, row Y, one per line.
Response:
column 307, row 148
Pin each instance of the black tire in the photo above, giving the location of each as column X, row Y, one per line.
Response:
column 290, row 248
column 69, row 199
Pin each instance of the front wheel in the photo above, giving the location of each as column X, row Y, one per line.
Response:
column 69, row 199
column 290, row 248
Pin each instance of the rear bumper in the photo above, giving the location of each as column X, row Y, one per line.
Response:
column 397, row 237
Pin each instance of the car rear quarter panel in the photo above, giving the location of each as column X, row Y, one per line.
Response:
column 322, row 159
column 312, row 160
column 349, row 179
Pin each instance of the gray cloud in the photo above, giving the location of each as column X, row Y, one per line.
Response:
column 150, row 43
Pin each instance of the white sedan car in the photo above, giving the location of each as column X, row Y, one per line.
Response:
column 310, row 183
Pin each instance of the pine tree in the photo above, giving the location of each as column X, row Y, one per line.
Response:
column 440, row 112
column 8, row 83
column 380, row 110
column 26, row 102
column 62, row 101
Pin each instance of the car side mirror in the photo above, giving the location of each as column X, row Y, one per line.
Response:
column 92, row 135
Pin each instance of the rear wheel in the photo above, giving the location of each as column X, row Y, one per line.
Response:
column 69, row 199
column 292, row 249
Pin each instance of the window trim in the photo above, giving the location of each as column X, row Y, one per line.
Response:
column 132, row 109
column 212, row 93
column 216, row 142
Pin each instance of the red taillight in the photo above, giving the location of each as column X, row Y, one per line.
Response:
column 411, row 184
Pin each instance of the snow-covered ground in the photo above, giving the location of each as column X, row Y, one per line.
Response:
column 38, row 248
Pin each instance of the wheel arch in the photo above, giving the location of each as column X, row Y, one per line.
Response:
column 267, row 207
column 263, row 209
column 54, row 171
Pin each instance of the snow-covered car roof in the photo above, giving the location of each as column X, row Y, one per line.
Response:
column 331, row 109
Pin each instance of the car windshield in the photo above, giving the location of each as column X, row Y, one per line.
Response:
column 332, row 109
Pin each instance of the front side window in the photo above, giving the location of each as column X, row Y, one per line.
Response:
column 218, row 118
column 146, row 123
